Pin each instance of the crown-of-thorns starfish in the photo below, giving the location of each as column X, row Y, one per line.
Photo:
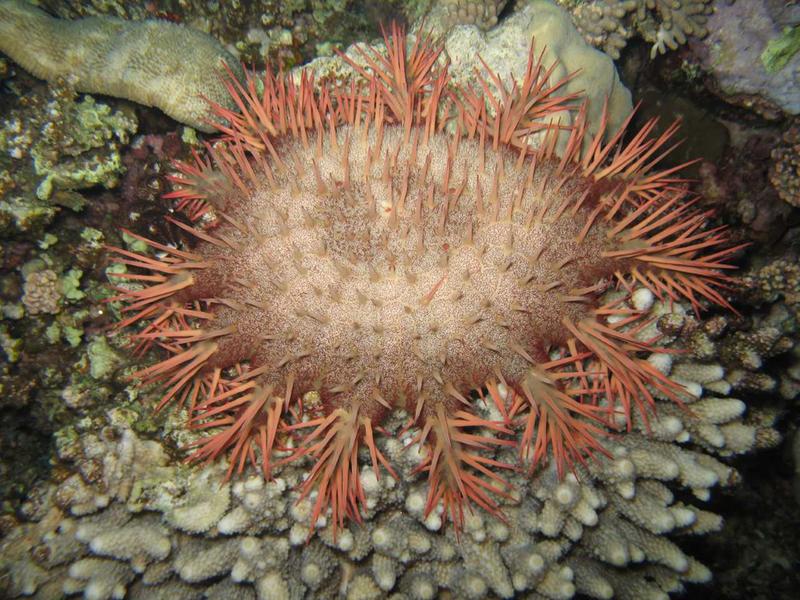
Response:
column 398, row 245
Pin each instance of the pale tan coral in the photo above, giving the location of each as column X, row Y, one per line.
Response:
column 482, row 13
column 42, row 293
column 608, row 24
column 155, row 63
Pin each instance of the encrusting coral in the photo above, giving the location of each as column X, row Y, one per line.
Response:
column 144, row 62
column 784, row 173
column 395, row 248
column 52, row 144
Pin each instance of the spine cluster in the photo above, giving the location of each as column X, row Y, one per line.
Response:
column 399, row 245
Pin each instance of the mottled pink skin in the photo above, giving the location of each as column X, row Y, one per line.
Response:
column 353, row 301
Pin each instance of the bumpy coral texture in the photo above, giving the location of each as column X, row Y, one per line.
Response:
column 482, row 13
column 145, row 62
column 402, row 247
column 665, row 23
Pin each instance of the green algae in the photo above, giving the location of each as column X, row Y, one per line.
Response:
column 780, row 50
column 103, row 360
column 52, row 143
column 70, row 285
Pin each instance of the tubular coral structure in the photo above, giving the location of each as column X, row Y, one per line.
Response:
column 401, row 246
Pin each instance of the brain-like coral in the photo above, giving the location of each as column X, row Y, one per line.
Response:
column 397, row 247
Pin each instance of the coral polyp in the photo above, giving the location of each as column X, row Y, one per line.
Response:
column 399, row 245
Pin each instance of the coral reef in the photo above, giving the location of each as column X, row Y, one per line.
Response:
column 59, row 150
column 784, row 173
column 53, row 144
column 132, row 521
column 145, row 62
column 265, row 32
column 481, row 13
column 733, row 53
column 416, row 326
column 468, row 51
column 121, row 515
column 609, row 24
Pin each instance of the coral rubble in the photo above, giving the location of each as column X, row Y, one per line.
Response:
column 52, row 145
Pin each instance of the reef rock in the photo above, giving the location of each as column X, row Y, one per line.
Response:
column 750, row 52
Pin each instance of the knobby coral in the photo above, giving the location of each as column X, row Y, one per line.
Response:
column 144, row 62
column 402, row 247
column 609, row 24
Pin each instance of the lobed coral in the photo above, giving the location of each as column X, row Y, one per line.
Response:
column 482, row 13
column 608, row 24
column 144, row 62
column 352, row 244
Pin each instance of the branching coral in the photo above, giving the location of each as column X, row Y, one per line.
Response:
column 482, row 13
column 394, row 247
column 609, row 24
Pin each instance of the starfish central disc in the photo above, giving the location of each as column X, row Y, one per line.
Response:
column 411, row 261
column 397, row 246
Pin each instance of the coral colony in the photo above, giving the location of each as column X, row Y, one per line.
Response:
column 399, row 246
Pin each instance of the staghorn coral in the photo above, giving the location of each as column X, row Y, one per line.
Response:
column 144, row 62
column 350, row 245
column 608, row 24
